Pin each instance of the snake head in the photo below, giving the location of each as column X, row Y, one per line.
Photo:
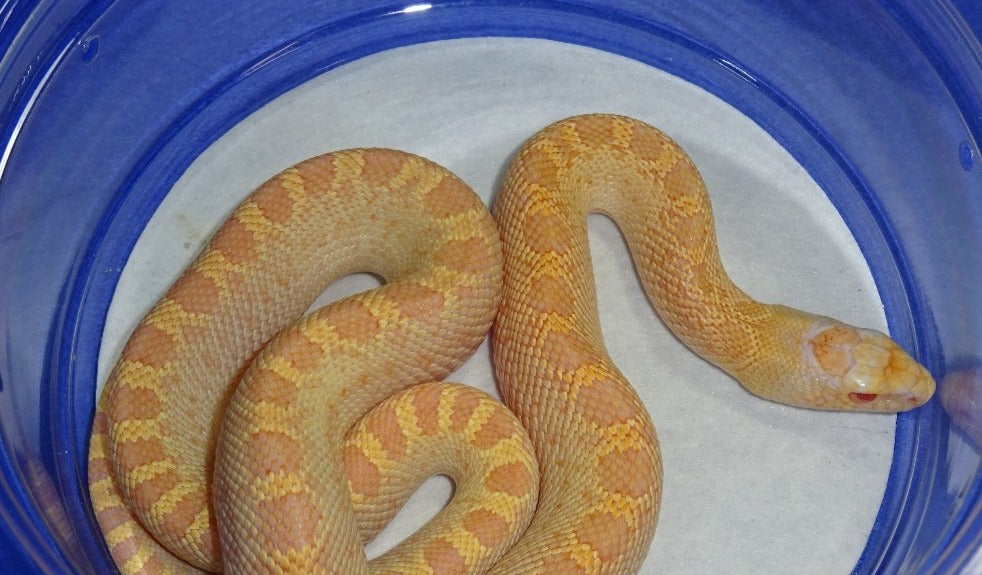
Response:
column 861, row 369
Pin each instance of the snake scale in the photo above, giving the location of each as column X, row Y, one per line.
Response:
column 239, row 433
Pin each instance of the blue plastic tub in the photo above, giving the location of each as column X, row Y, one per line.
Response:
column 104, row 105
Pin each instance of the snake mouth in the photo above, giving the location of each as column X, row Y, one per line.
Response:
column 885, row 402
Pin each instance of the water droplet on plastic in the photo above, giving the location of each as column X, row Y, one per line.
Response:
column 89, row 47
column 967, row 156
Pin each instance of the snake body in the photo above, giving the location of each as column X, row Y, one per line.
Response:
column 225, row 379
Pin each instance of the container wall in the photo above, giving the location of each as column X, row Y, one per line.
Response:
column 103, row 105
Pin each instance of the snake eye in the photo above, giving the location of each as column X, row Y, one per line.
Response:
column 862, row 397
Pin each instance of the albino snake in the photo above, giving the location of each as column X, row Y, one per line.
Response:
column 230, row 434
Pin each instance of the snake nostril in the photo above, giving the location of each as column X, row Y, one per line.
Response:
column 863, row 397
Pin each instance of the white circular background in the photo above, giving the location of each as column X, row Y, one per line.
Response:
column 750, row 486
